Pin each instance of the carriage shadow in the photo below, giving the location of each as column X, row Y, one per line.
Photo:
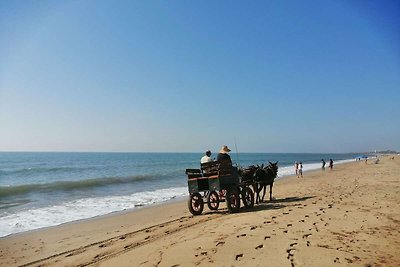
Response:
column 289, row 199
column 276, row 204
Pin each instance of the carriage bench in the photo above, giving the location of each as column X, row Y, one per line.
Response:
column 213, row 176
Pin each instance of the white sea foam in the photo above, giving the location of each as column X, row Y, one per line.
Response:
column 82, row 209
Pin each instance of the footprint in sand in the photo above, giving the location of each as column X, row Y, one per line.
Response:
column 267, row 237
column 290, row 253
column 259, row 246
column 240, row 235
column 238, row 256
column 306, row 235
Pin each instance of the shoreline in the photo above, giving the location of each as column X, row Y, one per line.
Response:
column 42, row 217
column 177, row 200
column 332, row 213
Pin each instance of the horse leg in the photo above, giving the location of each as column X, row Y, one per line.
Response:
column 255, row 186
column 270, row 191
column 259, row 191
column 265, row 189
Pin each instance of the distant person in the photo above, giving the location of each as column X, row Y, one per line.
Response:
column 223, row 155
column 331, row 164
column 323, row 164
column 300, row 170
column 207, row 157
column 296, row 167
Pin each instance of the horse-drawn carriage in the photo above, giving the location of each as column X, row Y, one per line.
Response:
column 218, row 182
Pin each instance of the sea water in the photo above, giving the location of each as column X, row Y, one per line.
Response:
column 46, row 189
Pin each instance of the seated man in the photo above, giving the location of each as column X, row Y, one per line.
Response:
column 223, row 155
column 206, row 157
column 225, row 159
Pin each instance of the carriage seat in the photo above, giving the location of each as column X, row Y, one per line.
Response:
column 193, row 173
column 216, row 169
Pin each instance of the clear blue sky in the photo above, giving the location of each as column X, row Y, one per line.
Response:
column 184, row 76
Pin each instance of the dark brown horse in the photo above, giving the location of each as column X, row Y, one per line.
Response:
column 263, row 177
column 247, row 174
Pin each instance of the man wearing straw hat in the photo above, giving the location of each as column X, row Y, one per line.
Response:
column 223, row 155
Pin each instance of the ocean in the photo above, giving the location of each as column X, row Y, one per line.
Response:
column 42, row 189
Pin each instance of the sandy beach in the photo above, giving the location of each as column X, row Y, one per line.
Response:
column 348, row 216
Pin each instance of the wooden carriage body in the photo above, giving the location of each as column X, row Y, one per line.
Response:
column 213, row 176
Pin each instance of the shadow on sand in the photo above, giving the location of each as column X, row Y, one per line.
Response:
column 289, row 199
column 277, row 203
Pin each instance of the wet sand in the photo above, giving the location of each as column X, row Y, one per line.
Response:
column 348, row 216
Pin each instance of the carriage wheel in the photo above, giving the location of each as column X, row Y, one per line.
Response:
column 248, row 197
column 196, row 204
column 232, row 200
column 213, row 200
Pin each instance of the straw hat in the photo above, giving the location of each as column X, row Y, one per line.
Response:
column 224, row 150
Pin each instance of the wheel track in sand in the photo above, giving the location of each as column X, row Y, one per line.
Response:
column 117, row 245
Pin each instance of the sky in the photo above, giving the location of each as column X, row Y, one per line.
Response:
column 186, row 76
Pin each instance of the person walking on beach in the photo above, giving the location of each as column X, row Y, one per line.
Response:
column 300, row 170
column 296, row 167
column 323, row 164
column 331, row 164
column 223, row 155
column 206, row 158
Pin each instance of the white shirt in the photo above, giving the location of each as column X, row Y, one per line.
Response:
column 206, row 159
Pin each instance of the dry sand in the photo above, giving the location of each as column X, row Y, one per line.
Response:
column 348, row 216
